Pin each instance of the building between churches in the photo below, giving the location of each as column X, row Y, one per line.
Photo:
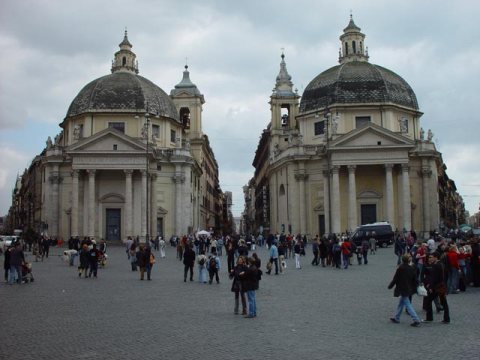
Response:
column 349, row 151
column 130, row 160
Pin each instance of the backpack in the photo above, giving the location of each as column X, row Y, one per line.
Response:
column 213, row 263
column 201, row 262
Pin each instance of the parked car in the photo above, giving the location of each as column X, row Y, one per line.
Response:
column 383, row 233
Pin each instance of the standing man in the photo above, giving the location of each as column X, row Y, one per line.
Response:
column 405, row 282
column 436, row 287
column 17, row 258
column 315, row 249
column 346, row 248
column 188, row 262
column 274, row 257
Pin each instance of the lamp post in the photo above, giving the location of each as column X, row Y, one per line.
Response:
column 146, row 130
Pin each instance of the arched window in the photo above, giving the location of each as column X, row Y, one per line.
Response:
column 354, row 47
column 281, row 192
column 346, row 48
column 361, row 47
column 185, row 117
column 124, row 61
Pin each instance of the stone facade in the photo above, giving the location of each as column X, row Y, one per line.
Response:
column 330, row 162
column 130, row 161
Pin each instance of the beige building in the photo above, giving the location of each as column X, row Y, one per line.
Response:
column 130, row 161
column 349, row 151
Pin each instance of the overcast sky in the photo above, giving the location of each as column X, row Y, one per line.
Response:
column 52, row 48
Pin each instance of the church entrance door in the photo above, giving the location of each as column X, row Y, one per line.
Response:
column 368, row 213
column 113, row 220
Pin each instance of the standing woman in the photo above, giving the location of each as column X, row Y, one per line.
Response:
column 238, row 286
column 298, row 250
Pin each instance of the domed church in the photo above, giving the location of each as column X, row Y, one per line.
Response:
column 349, row 151
column 130, row 160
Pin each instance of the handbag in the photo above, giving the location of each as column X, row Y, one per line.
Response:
column 421, row 291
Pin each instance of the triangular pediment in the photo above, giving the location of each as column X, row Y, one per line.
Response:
column 106, row 141
column 371, row 135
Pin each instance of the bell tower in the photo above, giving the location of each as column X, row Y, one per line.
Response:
column 284, row 107
column 353, row 44
column 189, row 102
column 125, row 58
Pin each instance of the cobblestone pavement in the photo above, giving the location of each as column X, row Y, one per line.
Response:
column 312, row 313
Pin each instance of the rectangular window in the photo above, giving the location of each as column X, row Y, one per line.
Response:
column 156, row 130
column 80, row 131
column 120, row 126
column 319, row 127
column 173, row 136
column 361, row 121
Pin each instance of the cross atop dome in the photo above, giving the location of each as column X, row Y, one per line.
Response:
column 352, row 41
column 125, row 58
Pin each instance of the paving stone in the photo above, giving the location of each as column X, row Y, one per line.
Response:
column 310, row 313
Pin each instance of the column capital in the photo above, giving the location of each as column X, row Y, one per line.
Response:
column 405, row 167
column 426, row 172
column 351, row 168
column 128, row 172
column 75, row 173
column 335, row 169
column 388, row 167
column 91, row 171
column 301, row 177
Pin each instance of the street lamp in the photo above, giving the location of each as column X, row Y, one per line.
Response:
column 146, row 129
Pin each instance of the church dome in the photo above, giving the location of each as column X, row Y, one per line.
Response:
column 357, row 82
column 122, row 92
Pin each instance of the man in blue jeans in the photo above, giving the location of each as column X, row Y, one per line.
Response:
column 16, row 260
column 405, row 282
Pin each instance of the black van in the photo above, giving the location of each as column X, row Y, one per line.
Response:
column 383, row 233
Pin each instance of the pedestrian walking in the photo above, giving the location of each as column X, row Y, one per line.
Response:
column 297, row 249
column 373, row 243
column 346, row 252
column 405, row 282
column 436, row 287
column 214, row 267
column 17, row 258
column 273, row 258
column 142, row 260
column 316, row 251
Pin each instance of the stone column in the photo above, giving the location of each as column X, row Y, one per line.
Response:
column 128, row 203
column 178, row 180
column 426, row 173
column 407, row 210
column 352, row 198
column 74, row 213
column 91, row 203
column 326, row 199
column 143, row 229
column 301, row 177
column 389, row 193
column 55, row 212
column 153, row 205
column 336, row 199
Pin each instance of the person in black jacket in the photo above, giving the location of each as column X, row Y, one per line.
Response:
column 188, row 262
column 238, row 285
column 405, row 282
column 436, row 287
column 250, row 277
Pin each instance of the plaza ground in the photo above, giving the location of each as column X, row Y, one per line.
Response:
column 312, row 313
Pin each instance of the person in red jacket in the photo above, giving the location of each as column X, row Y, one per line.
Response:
column 346, row 252
column 453, row 273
